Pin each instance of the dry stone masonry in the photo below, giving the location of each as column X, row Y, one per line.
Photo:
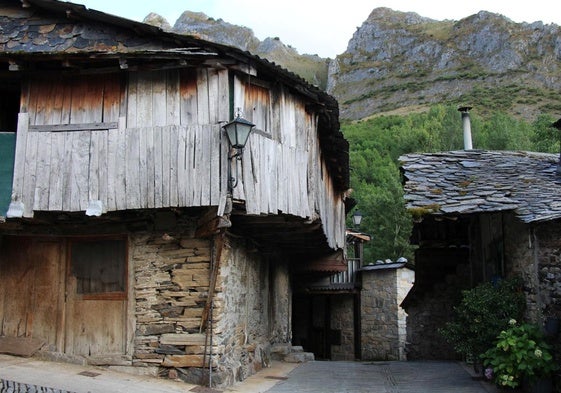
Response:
column 250, row 308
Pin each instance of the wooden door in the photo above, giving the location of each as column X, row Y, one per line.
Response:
column 31, row 293
column 96, row 297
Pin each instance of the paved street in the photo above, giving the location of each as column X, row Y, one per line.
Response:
column 33, row 375
column 380, row 377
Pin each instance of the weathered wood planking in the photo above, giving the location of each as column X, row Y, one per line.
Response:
column 169, row 148
column 30, row 278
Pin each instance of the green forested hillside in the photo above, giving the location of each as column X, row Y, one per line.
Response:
column 376, row 145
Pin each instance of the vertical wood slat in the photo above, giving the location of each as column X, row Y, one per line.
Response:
column 190, row 175
column 99, row 168
column 159, row 101
column 120, row 185
column 43, row 115
column 94, row 182
column 43, row 173
column 171, row 146
column 153, row 182
column 214, row 157
column 159, row 152
column 203, row 96
column 213, row 96
column 66, row 171
column 197, row 167
column 57, row 160
column 19, row 162
column 112, row 167
column 271, row 184
column 144, row 110
column 132, row 96
column 223, row 91
column 182, row 180
column 173, row 102
column 143, row 175
column 30, row 170
column 80, row 171
column 188, row 97
column 111, row 98
column 132, row 181
column 164, row 178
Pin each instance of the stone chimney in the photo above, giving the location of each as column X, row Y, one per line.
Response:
column 466, row 122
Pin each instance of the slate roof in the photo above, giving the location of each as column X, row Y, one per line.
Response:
column 477, row 181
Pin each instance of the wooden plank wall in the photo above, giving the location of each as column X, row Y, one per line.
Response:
column 148, row 143
column 282, row 170
column 154, row 139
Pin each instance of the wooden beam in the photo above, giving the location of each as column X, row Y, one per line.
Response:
column 74, row 127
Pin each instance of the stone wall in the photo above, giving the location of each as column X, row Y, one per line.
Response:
column 548, row 239
column 342, row 320
column 383, row 323
column 171, row 281
column 426, row 314
column 405, row 280
column 251, row 307
column 253, row 311
column 520, row 260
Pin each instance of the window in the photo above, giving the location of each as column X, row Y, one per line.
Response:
column 99, row 267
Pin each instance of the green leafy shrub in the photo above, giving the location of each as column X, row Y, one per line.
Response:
column 482, row 314
column 520, row 353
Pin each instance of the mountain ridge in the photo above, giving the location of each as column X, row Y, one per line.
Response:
column 397, row 60
column 310, row 67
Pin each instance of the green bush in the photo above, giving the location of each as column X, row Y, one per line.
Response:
column 482, row 314
column 520, row 353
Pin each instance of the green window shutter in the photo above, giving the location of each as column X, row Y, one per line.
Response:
column 7, row 155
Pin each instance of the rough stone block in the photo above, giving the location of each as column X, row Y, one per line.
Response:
column 186, row 361
column 183, row 339
column 299, row 357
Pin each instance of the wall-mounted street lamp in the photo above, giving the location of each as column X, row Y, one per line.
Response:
column 357, row 218
column 237, row 131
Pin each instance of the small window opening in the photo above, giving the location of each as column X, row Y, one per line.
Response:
column 9, row 109
column 99, row 267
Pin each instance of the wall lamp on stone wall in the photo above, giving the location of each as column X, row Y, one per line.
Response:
column 237, row 131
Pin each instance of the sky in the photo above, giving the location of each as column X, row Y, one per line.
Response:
column 322, row 27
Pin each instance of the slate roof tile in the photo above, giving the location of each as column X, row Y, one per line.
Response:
column 477, row 181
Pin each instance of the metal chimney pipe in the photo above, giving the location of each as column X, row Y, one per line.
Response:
column 466, row 122
column 557, row 126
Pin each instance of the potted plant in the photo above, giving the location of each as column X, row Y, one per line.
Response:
column 520, row 355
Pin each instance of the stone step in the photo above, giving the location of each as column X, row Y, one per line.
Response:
column 299, row 357
column 281, row 351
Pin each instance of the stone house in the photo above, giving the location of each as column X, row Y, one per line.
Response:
column 479, row 216
column 133, row 234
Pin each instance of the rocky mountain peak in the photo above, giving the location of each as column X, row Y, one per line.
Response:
column 157, row 20
column 397, row 59
column 312, row 68
column 217, row 30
